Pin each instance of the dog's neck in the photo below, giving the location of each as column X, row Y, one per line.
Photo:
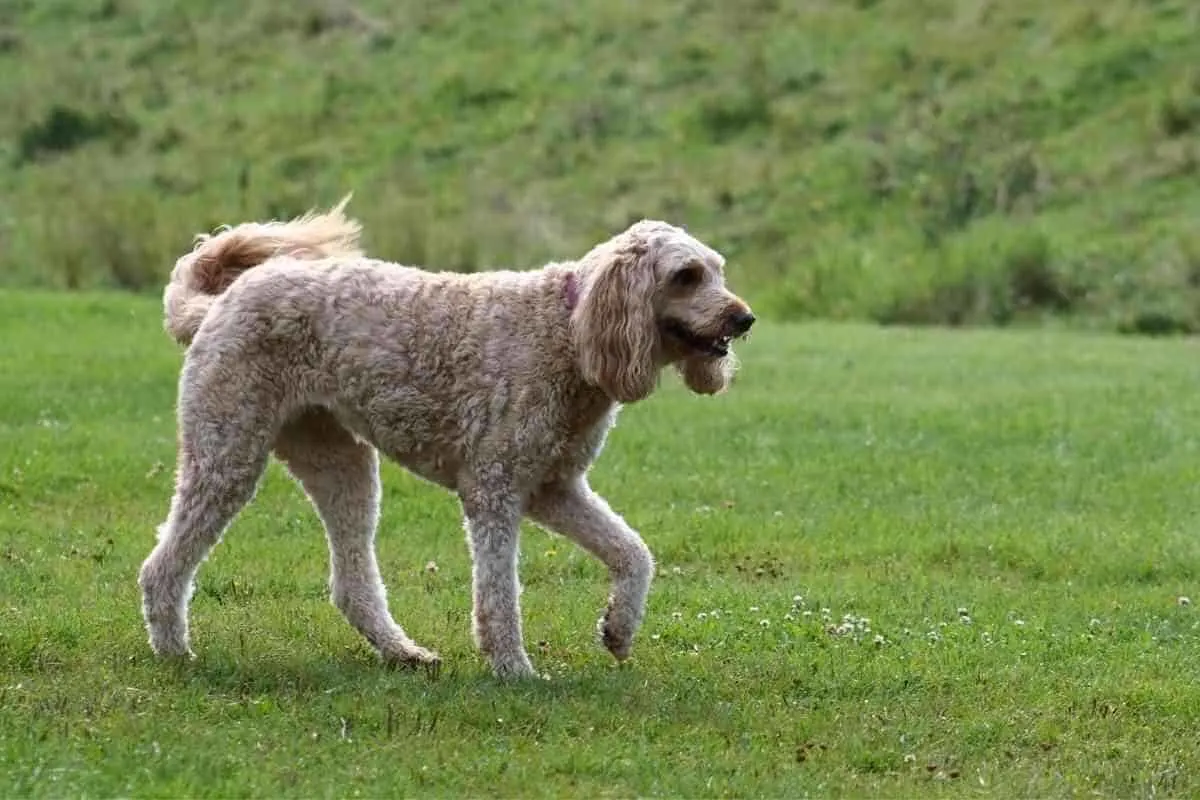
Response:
column 571, row 291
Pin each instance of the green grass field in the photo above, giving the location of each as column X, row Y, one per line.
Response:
column 891, row 563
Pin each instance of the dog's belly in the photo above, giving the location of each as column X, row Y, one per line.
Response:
column 433, row 457
column 434, row 467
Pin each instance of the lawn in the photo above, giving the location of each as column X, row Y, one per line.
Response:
column 891, row 562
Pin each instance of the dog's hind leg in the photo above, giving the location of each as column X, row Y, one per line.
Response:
column 217, row 475
column 340, row 474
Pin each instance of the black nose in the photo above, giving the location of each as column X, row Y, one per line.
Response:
column 741, row 322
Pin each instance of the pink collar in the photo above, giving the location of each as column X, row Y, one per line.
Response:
column 571, row 291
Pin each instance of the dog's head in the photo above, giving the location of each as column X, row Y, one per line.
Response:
column 652, row 296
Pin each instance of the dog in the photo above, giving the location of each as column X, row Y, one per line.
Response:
column 500, row 387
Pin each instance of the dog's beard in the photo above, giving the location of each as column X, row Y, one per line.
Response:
column 705, row 374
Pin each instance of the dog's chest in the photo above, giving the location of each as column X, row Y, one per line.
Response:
column 586, row 427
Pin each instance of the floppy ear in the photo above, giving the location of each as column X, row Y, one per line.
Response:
column 707, row 375
column 615, row 333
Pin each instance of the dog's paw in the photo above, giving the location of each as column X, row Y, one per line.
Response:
column 184, row 656
column 412, row 656
column 615, row 641
column 513, row 667
column 170, row 646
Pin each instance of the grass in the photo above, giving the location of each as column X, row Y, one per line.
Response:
column 947, row 162
column 892, row 562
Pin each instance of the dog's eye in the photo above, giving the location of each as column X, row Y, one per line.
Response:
column 688, row 276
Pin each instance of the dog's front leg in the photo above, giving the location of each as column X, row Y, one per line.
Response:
column 573, row 510
column 493, row 518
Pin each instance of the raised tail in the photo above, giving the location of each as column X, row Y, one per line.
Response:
column 217, row 260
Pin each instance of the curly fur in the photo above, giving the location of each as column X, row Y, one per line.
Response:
column 500, row 387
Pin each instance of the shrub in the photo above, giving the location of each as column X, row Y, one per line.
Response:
column 64, row 128
column 986, row 282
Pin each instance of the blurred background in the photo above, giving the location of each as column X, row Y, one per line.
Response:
column 902, row 161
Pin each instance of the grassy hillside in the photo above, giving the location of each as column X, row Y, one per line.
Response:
column 891, row 564
column 900, row 160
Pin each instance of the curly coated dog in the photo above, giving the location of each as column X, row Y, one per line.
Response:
column 500, row 387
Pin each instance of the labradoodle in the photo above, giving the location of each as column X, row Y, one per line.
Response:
column 500, row 387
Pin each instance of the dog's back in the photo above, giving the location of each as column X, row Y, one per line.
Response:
column 218, row 260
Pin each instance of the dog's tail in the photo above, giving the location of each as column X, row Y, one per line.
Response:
column 217, row 260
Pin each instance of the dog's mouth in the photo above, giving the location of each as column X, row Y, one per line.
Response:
column 708, row 345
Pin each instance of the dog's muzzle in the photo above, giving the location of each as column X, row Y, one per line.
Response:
column 740, row 323
column 736, row 325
